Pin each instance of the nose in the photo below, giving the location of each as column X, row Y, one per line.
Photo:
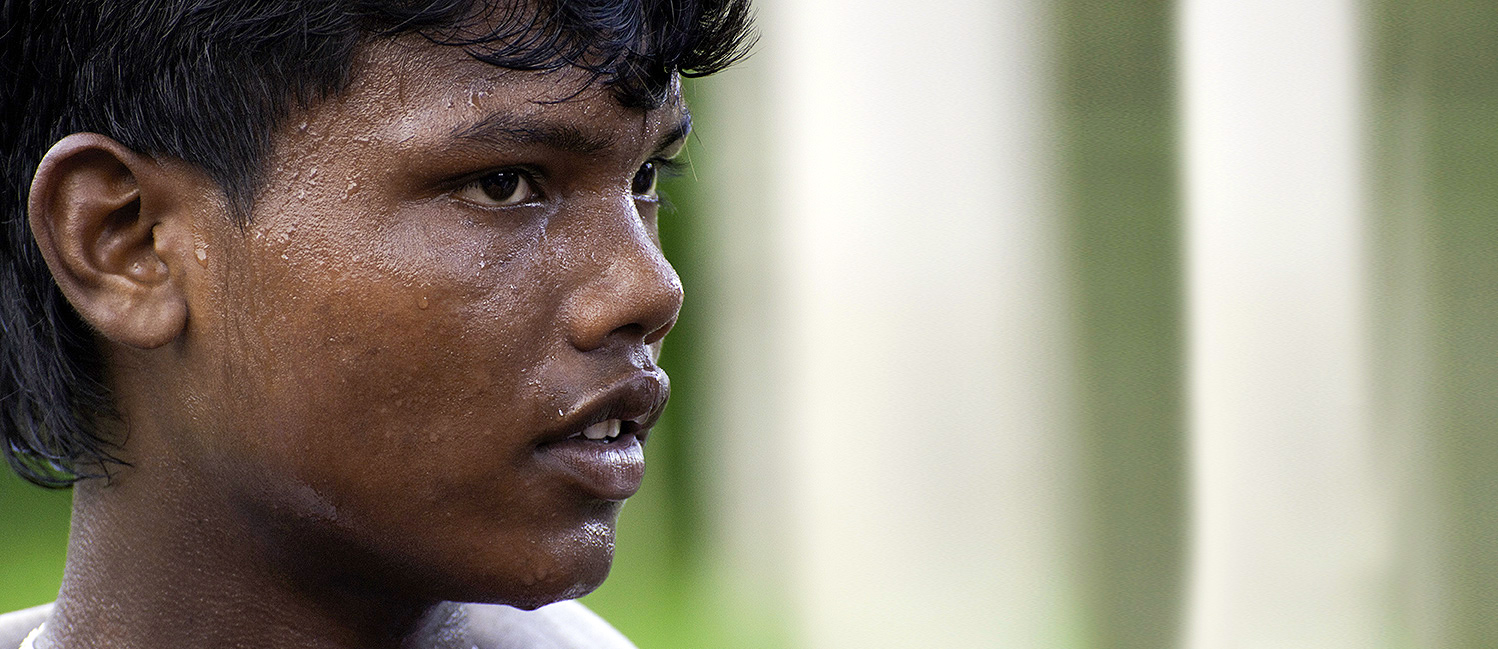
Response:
column 632, row 295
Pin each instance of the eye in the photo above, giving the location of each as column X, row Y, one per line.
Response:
column 645, row 180
column 501, row 189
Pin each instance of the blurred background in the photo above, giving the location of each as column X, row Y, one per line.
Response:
column 1071, row 324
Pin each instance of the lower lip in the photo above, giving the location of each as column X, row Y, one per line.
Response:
column 612, row 471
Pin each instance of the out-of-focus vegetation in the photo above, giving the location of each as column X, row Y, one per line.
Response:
column 33, row 540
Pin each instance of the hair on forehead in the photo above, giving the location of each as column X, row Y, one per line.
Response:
column 207, row 82
column 636, row 48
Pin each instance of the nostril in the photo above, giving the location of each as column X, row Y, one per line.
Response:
column 655, row 336
column 631, row 330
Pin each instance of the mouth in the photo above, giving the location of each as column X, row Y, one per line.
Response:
column 599, row 444
column 609, row 431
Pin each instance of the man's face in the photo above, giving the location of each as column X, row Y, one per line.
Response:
column 449, row 274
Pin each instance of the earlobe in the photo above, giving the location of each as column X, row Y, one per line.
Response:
column 99, row 212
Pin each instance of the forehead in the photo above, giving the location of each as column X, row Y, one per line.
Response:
column 408, row 89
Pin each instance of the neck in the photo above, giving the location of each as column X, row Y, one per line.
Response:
column 146, row 572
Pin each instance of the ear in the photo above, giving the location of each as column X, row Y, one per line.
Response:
column 101, row 214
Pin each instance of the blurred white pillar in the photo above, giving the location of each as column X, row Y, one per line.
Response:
column 913, row 394
column 1292, row 538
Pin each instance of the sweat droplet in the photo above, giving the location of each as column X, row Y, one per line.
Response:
column 422, row 302
column 203, row 257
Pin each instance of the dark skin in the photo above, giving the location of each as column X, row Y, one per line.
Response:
column 365, row 403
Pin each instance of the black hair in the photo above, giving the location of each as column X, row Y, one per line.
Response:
column 207, row 82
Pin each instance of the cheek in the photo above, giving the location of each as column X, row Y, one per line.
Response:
column 383, row 347
column 389, row 385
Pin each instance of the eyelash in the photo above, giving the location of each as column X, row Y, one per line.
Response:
column 670, row 167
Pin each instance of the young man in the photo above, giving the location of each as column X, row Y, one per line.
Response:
column 338, row 312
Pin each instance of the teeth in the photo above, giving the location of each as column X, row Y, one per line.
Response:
column 603, row 430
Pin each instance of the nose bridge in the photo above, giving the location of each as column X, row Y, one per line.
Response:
column 628, row 289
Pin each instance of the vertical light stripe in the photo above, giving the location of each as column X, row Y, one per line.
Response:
column 1291, row 538
column 919, row 362
column 750, row 443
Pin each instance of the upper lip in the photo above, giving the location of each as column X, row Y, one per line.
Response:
column 637, row 399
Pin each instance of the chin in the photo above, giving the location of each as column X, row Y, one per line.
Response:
column 534, row 600
column 573, row 582
column 567, row 568
column 534, row 595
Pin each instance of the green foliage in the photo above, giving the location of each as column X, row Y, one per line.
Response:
column 33, row 542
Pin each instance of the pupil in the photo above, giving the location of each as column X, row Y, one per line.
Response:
column 644, row 179
column 500, row 186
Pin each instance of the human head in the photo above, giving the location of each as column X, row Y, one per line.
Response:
column 207, row 82
column 295, row 394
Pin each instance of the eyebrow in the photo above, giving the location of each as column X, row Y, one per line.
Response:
column 501, row 129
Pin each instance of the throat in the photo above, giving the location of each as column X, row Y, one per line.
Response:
column 169, row 575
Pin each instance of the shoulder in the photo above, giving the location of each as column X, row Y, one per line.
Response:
column 16, row 625
column 563, row 625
